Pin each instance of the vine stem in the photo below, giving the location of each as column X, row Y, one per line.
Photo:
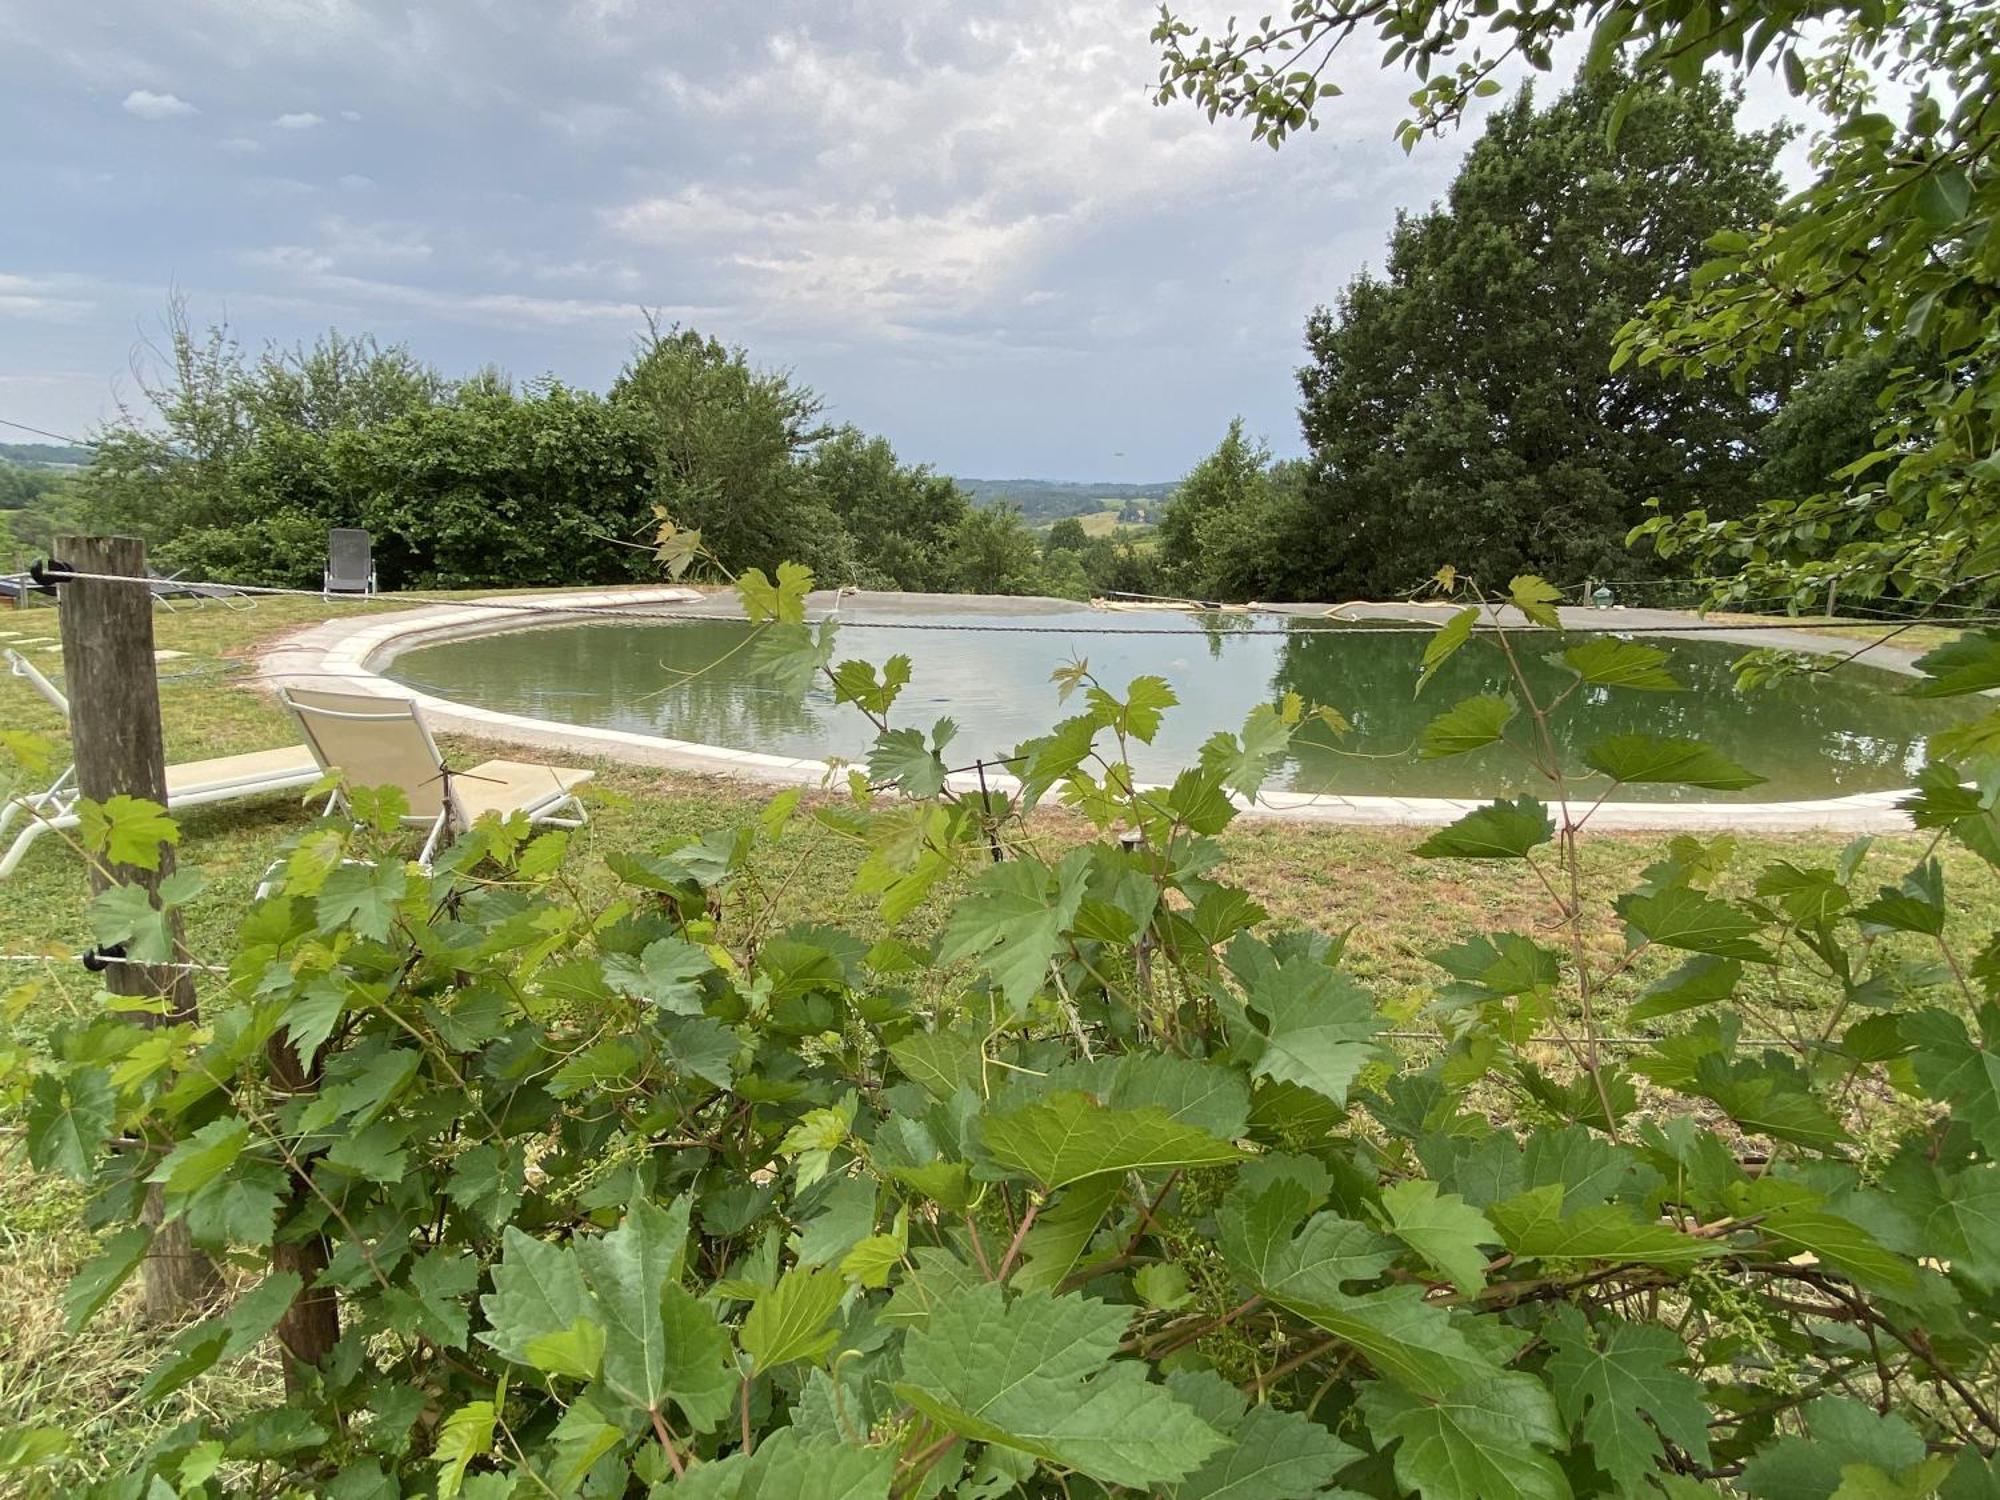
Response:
column 1146, row 1214
column 1277, row 1373
column 923, row 1460
column 743, row 1405
column 978, row 1248
column 1020, row 1234
column 667, row 1442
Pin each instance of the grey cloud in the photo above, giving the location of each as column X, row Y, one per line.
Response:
column 969, row 227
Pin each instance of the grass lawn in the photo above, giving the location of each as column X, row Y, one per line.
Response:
column 1398, row 908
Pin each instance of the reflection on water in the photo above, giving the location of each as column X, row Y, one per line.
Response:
column 1823, row 738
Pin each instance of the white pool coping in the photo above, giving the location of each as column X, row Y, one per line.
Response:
column 343, row 655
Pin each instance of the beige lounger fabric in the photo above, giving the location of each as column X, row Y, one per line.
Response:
column 234, row 770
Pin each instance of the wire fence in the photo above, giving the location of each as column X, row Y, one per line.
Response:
column 1404, row 1034
column 1221, row 623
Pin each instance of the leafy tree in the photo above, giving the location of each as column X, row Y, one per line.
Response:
column 901, row 519
column 1067, row 535
column 544, row 487
column 1828, row 422
column 1461, row 408
column 1122, row 567
column 1893, row 239
column 35, row 504
column 235, row 475
column 994, row 552
column 728, row 449
column 1063, row 575
column 1231, row 528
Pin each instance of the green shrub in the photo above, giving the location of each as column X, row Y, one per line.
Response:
column 651, row 1195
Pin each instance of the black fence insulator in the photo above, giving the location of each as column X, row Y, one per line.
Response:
column 97, row 960
column 49, row 576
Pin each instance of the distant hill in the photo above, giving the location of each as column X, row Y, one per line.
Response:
column 1052, row 499
column 44, row 455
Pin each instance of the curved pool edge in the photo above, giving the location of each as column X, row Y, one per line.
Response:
column 344, row 656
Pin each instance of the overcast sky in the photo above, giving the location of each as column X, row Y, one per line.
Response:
column 967, row 226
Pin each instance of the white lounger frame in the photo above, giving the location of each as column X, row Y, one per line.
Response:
column 56, row 806
column 559, row 809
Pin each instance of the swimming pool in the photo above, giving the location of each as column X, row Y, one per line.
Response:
column 691, row 680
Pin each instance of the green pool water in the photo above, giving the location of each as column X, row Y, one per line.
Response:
column 1830, row 737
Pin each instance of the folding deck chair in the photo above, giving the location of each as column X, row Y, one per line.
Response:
column 350, row 562
column 374, row 741
column 167, row 587
column 227, row 778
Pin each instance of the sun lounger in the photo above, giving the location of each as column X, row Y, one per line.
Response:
column 350, row 562
column 168, row 587
column 374, row 741
column 227, row 778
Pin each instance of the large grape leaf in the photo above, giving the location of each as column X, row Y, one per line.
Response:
column 1958, row 1070
column 98, row 1280
column 69, row 1120
column 1139, row 713
column 785, row 1465
column 1499, row 830
column 362, row 898
column 1534, row 1227
column 1536, row 598
column 1845, row 1436
column 1919, row 1208
column 1625, row 1386
column 668, row 973
column 1702, row 980
column 1836, row 1242
column 1317, row 1026
column 1684, row 918
column 1441, row 647
column 792, row 1320
column 900, row 756
column 1036, row 1375
column 658, row 1341
column 1012, row 921
column 1194, row 1092
column 1970, row 664
column 1069, row 1136
column 1645, row 758
column 1441, row 1227
column 1260, row 1237
column 1610, row 662
column 1465, row 726
column 538, row 1292
column 1487, row 1440
column 1276, row 1455
column 1400, row 1333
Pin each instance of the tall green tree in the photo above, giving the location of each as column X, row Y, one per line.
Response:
column 1461, row 407
column 994, row 552
column 1231, row 528
column 541, row 487
column 232, row 472
column 1893, row 238
column 729, row 446
column 901, row 517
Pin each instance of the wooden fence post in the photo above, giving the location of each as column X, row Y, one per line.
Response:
column 114, row 727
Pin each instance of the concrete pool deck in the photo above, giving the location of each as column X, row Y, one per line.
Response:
column 347, row 655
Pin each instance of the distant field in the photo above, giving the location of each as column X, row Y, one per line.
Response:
column 1043, row 500
column 1106, row 523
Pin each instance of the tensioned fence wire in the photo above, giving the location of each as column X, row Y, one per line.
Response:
column 1405, row 1035
column 608, row 607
